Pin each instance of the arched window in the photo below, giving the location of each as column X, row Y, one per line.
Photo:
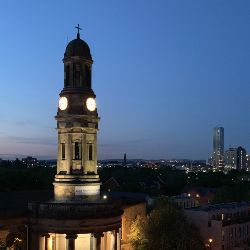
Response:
column 67, row 72
column 77, row 151
column 77, row 75
column 88, row 76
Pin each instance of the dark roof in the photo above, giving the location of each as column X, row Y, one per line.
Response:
column 78, row 47
column 128, row 198
column 17, row 202
column 201, row 190
column 230, row 205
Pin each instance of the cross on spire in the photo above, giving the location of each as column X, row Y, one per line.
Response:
column 78, row 29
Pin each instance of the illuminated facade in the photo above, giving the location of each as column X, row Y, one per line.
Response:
column 77, row 124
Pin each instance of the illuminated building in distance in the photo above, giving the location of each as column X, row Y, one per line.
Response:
column 218, row 147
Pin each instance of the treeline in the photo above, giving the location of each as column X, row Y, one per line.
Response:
column 166, row 181
column 235, row 192
column 20, row 178
column 147, row 180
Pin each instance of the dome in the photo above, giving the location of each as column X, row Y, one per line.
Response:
column 78, row 47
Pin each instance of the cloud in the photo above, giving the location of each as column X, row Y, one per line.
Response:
column 34, row 140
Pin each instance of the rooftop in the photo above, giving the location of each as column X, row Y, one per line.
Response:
column 232, row 205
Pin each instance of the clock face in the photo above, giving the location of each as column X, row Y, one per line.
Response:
column 63, row 103
column 91, row 104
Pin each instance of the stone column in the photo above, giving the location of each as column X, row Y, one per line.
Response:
column 98, row 237
column 46, row 237
column 118, row 238
column 68, row 148
column 92, row 242
column 41, row 242
column 71, row 241
column 113, row 242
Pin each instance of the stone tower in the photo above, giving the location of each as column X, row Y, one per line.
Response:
column 77, row 125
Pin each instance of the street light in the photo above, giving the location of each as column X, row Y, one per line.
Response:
column 210, row 243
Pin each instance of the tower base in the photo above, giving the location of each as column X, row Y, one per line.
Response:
column 70, row 187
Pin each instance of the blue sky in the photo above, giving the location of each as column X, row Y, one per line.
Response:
column 165, row 73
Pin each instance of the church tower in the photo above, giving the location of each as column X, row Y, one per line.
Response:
column 77, row 125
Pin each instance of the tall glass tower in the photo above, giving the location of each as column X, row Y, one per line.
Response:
column 218, row 146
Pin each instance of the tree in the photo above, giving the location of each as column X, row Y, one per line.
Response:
column 165, row 228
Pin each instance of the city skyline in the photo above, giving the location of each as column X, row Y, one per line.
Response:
column 162, row 83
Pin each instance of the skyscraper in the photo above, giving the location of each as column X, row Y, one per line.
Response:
column 231, row 158
column 218, row 146
column 241, row 158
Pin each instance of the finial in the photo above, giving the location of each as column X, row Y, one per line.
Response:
column 78, row 33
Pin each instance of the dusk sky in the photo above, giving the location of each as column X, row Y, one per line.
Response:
column 165, row 73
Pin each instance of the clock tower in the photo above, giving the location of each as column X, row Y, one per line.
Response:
column 77, row 125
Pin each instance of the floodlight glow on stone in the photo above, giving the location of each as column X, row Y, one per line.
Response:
column 91, row 104
column 63, row 103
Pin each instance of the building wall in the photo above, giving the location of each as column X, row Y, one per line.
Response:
column 225, row 235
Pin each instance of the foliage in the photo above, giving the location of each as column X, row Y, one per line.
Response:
column 235, row 192
column 20, row 178
column 130, row 179
column 136, row 235
column 165, row 228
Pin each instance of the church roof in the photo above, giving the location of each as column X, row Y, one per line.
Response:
column 78, row 47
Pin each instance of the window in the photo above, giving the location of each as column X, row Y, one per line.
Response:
column 63, row 150
column 77, row 150
column 88, row 76
column 90, row 152
column 67, row 70
column 77, row 75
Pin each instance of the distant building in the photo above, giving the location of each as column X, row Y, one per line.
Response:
column 202, row 195
column 231, row 158
column 184, row 201
column 125, row 159
column 241, row 158
column 218, row 147
column 30, row 162
column 222, row 226
column 248, row 162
